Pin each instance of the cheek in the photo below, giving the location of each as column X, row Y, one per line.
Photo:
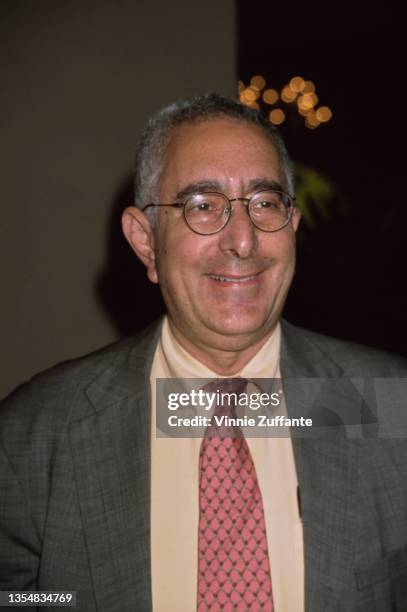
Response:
column 287, row 261
column 179, row 247
column 178, row 261
column 280, row 249
column 282, row 265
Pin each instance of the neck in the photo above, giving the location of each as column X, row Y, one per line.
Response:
column 222, row 362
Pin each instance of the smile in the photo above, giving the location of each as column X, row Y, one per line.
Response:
column 232, row 279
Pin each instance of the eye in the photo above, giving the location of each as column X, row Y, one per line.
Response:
column 265, row 204
column 267, row 201
column 202, row 206
column 201, row 203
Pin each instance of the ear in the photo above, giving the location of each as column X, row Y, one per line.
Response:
column 295, row 219
column 139, row 233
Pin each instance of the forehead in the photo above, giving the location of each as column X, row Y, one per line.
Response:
column 225, row 151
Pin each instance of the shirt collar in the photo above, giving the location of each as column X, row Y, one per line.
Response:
column 180, row 364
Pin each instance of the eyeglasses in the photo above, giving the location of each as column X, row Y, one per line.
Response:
column 208, row 213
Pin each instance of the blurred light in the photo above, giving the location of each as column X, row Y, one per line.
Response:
column 253, row 105
column 297, row 83
column 240, row 86
column 249, row 95
column 270, row 96
column 314, row 98
column 312, row 121
column 288, row 95
column 305, row 112
column 309, row 87
column 258, row 82
column 277, row 116
column 324, row 114
column 243, row 98
column 306, row 101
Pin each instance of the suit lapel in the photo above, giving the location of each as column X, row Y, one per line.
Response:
column 327, row 472
column 111, row 456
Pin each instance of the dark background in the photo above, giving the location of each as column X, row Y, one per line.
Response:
column 78, row 82
column 350, row 279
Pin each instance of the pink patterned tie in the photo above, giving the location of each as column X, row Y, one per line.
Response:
column 233, row 563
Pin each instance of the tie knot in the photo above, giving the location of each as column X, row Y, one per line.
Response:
column 227, row 385
column 227, row 392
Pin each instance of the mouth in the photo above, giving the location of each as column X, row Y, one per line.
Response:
column 233, row 279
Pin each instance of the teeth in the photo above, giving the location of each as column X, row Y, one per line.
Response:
column 231, row 280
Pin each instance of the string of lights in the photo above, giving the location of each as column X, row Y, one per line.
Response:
column 297, row 94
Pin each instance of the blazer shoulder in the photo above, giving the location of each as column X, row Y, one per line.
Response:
column 354, row 359
column 52, row 398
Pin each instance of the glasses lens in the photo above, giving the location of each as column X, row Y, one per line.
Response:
column 270, row 210
column 205, row 212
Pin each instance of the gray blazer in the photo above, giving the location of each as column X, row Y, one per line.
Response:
column 75, row 482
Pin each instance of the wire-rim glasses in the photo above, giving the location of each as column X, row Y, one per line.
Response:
column 209, row 212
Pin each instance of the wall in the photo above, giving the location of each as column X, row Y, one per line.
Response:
column 78, row 81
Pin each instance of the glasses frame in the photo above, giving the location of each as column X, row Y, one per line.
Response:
column 228, row 210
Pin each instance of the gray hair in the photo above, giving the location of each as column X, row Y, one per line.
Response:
column 156, row 135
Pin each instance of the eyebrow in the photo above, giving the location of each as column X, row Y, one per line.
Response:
column 199, row 187
column 257, row 184
column 263, row 184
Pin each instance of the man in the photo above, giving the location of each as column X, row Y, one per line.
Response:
column 94, row 502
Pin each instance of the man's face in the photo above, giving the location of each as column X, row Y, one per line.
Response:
column 233, row 158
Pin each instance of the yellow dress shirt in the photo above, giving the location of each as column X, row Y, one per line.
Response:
column 175, row 499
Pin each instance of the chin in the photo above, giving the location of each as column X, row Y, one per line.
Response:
column 240, row 326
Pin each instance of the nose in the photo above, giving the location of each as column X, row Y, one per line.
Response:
column 239, row 236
